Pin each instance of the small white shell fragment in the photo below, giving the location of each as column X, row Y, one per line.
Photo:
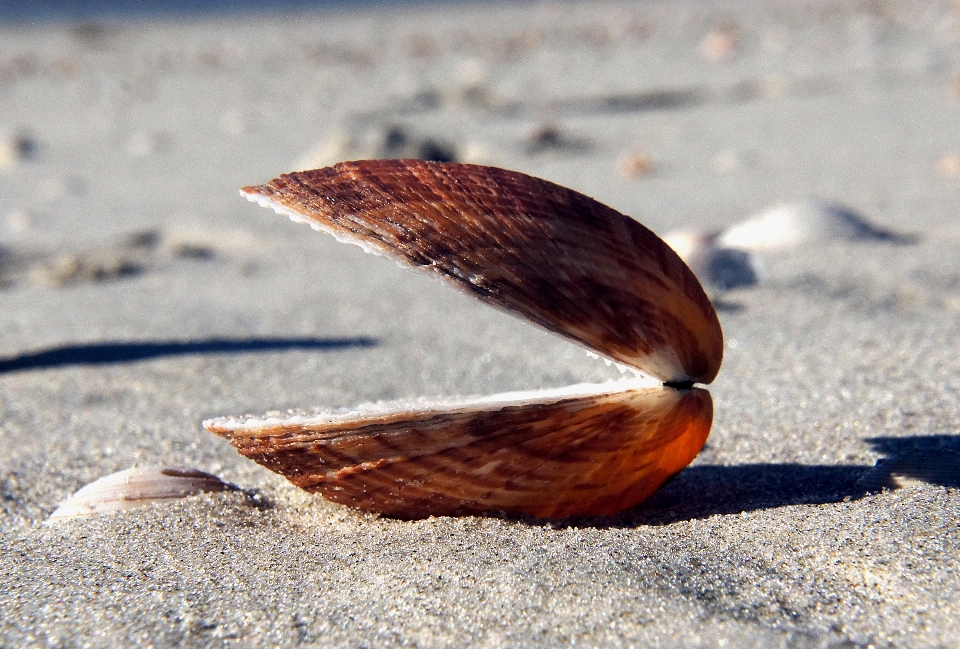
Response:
column 690, row 243
column 914, row 468
column 718, row 267
column 135, row 488
column 797, row 224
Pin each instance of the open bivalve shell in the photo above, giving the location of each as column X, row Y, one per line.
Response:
column 551, row 256
column 135, row 488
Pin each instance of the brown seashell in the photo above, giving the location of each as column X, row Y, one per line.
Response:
column 547, row 254
column 135, row 488
column 549, row 455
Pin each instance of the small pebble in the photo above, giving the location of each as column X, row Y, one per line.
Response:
column 471, row 88
column 384, row 142
column 480, row 153
column 78, row 267
column 721, row 43
column 948, row 166
column 93, row 34
column 15, row 148
column 549, row 138
column 636, row 165
column 189, row 250
column 127, row 256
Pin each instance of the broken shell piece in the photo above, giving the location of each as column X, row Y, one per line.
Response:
column 537, row 250
column 135, row 488
column 914, row 468
column 720, row 269
column 798, row 224
column 544, row 253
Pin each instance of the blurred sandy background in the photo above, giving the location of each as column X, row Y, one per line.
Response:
column 139, row 295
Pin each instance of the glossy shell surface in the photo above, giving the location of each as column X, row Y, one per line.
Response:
column 549, row 456
column 535, row 249
column 547, row 254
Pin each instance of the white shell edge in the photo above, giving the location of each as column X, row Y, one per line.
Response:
column 251, row 423
column 296, row 217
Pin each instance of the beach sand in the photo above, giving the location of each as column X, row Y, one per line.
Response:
column 141, row 295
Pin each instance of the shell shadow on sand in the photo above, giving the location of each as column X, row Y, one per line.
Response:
column 705, row 490
column 109, row 353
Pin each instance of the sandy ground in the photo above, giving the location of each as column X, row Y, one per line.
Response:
column 141, row 295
